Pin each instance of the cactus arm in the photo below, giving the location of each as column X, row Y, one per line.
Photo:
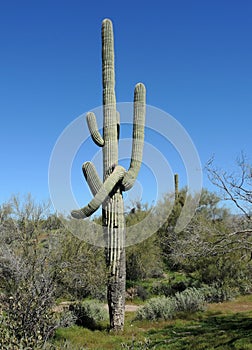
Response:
column 138, row 137
column 118, row 124
column 91, row 177
column 92, row 126
column 106, row 188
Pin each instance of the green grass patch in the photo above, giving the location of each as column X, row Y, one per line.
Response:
column 218, row 328
column 211, row 332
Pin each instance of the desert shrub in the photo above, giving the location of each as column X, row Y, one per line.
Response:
column 89, row 313
column 142, row 292
column 245, row 285
column 10, row 340
column 169, row 287
column 190, row 300
column 28, row 320
column 143, row 260
column 74, row 262
column 216, row 293
column 65, row 318
column 157, row 308
column 162, row 288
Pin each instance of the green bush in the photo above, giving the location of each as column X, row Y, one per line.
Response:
column 144, row 260
column 28, row 321
column 89, row 313
column 168, row 288
column 157, row 308
column 10, row 340
column 178, row 282
column 217, row 294
column 190, row 300
column 142, row 292
column 162, row 288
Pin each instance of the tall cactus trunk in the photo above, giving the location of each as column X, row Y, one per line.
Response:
column 115, row 178
column 114, row 230
column 113, row 212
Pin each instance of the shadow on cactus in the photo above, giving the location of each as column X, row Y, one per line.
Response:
column 108, row 193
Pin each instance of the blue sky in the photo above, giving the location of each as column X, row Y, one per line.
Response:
column 193, row 56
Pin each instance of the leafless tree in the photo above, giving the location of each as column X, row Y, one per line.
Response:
column 235, row 186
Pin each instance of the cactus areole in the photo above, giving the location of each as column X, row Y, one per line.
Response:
column 108, row 193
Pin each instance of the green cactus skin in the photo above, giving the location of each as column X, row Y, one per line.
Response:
column 91, row 177
column 92, row 125
column 108, row 193
column 101, row 195
column 138, row 138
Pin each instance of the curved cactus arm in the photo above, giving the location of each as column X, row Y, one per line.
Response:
column 91, row 177
column 101, row 195
column 138, row 137
column 92, row 126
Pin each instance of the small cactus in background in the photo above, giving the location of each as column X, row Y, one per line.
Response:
column 176, row 184
column 116, row 179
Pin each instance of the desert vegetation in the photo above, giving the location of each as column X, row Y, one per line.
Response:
column 183, row 285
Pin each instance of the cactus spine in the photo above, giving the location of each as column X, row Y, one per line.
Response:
column 115, row 178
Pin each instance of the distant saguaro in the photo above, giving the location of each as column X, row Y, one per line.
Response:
column 176, row 184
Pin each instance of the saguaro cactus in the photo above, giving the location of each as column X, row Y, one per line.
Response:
column 115, row 178
column 176, row 184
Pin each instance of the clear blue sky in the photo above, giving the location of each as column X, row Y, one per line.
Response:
column 195, row 58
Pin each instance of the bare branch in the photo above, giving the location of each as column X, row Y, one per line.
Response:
column 235, row 187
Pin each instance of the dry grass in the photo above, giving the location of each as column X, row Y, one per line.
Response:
column 240, row 304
